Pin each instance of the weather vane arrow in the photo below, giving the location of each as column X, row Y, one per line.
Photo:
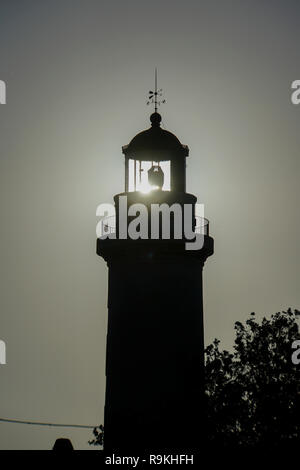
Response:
column 154, row 96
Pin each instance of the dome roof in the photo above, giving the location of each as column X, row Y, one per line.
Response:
column 155, row 143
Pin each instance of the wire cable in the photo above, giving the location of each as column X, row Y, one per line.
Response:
column 38, row 423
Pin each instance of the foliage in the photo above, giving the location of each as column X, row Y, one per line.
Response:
column 253, row 394
column 98, row 436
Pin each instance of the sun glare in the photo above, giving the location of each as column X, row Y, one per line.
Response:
column 138, row 176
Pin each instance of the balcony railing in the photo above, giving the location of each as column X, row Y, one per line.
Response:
column 202, row 225
column 108, row 225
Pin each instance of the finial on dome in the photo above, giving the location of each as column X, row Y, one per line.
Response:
column 155, row 119
column 152, row 98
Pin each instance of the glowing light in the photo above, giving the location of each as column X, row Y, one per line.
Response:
column 147, row 189
column 138, row 176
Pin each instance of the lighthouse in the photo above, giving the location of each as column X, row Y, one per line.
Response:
column 155, row 339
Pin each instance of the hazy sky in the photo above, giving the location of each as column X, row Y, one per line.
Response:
column 77, row 75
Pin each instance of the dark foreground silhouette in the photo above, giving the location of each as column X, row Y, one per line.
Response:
column 62, row 444
column 252, row 395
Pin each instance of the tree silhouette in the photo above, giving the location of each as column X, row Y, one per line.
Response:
column 98, row 436
column 253, row 394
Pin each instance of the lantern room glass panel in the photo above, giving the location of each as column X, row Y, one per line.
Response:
column 138, row 175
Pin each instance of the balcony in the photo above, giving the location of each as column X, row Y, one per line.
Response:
column 108, row 226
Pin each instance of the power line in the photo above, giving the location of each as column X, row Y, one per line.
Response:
column 37, row 423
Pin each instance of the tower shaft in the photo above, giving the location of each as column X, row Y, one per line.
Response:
column 154, row 362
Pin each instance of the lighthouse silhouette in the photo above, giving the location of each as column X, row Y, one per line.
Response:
column 155, row 347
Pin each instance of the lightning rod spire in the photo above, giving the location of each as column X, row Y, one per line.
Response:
column 153, row 95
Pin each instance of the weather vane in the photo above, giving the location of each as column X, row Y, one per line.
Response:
column 154, row 95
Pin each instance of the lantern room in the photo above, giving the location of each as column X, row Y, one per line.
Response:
column 155, row 160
